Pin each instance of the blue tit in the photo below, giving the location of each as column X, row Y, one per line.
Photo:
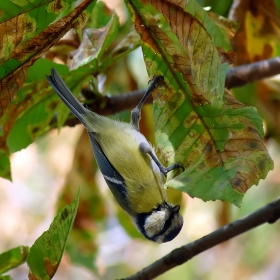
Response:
column 129, row 165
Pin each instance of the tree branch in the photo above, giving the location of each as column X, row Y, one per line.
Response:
column 236, row 76
column 110, row 105
column 243, row 74
column 269, row 213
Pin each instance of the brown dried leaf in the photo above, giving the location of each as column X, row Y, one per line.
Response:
column 258, row 38
column 258, row 35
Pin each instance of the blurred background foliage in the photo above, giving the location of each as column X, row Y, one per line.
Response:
column 103, row 243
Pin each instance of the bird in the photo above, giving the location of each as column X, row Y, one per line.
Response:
column 129, row 165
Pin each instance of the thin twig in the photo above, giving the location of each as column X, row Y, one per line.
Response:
column 269, row 213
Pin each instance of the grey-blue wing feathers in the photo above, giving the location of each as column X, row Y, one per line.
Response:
column 112, row 177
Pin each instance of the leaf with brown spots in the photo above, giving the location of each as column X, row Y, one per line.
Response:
column 32, row 110
column 25, row 37
column 199, row 60
column 197, row 122
column 46, row 253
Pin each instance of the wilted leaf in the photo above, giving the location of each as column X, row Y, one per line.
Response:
column 13, row 258
column 217, row 138
column 258, row 35
column 22, row 45
column 94, row 43
column 46, row 253
column 258, row 39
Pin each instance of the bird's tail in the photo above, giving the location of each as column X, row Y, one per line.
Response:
column 66, row 95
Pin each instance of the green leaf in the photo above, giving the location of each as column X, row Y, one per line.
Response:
column 101, row 15
column 5, row 166
column 11, row 9
column 13, row 258
column 197, row 123
column 46, row 253
column 216, row 33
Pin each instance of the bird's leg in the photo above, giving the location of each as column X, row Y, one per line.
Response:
column 136, row 112
column 145, row 148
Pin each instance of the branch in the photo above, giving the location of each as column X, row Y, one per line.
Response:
column 118, row 103
column 269, row 213
column 236, row 76
column 243, row 74
column 109, row 105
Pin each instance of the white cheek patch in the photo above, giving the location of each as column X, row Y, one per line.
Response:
column 155, row 223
